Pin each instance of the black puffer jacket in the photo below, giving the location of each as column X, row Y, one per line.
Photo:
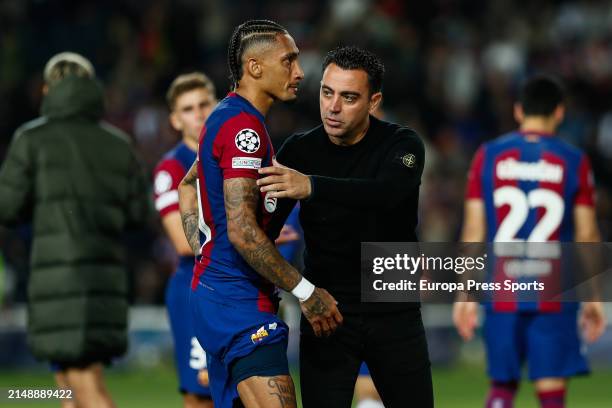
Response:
column 79, row 183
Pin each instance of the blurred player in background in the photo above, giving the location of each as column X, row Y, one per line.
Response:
column 226, row 221
column 191, row 98
column 78, row 181
column 545, row 334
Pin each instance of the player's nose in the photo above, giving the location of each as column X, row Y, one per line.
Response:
column 298, row 73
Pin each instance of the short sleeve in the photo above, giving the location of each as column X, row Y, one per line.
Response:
column 241, row 146
column 586, row 184
column 167, row 177
column 474, row 181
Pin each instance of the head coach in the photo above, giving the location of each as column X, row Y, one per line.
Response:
column 358, row 180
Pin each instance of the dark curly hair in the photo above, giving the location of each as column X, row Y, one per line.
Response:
column 244, row 36
column 352, row 57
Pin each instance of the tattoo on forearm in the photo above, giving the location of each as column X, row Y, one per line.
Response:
column 192, row 175
column 241, row 197
column 189, row 208
column 282, row 387
column 192, row 232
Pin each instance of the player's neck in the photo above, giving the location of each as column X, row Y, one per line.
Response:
column 539, row 125
column 190, row 143
column 260, row 100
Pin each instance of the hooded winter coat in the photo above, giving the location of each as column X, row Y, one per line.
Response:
column 77, row 180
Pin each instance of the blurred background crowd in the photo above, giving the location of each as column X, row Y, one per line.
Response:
column 452, row 71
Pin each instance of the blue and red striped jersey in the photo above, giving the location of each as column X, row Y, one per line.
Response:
column 530, row 184
column 166, row 178
column 234, row 143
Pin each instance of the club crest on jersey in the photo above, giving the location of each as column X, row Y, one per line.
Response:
column 247, row 140
column 409, row 160
column 270, row 203
column 163, row 182
column 259, row 335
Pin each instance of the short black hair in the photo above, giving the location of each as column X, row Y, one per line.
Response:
column 352, row 57
column 540, row 95
column 244, row 36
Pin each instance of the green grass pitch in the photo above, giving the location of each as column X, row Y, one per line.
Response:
column 457, row 387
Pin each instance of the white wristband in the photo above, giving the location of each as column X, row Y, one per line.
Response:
column 303, row 290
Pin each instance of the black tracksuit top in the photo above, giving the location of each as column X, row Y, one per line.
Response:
column 368, row 191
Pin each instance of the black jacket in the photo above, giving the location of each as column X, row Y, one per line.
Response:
column 367, row 192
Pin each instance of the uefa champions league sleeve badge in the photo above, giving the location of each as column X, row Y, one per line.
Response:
column 247, row 141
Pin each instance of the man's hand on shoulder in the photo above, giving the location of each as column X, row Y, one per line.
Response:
column 283, row 182
column 321, row 311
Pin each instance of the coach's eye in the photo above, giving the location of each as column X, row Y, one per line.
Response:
column 349, row 98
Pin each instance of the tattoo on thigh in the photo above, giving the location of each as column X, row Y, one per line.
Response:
column 282, row 387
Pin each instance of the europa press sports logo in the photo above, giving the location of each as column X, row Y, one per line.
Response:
column 247, row 140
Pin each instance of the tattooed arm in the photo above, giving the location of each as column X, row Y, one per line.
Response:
column 188, row 203
column 241, row 196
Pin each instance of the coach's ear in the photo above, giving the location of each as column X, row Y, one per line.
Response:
column 519, row 114
column 375, row 101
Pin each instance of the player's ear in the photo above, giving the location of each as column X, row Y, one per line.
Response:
column 375, row 101
column 559, row 113
column 175, row 122
column 253, row 67
column 45, row 89
column 519, row 114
